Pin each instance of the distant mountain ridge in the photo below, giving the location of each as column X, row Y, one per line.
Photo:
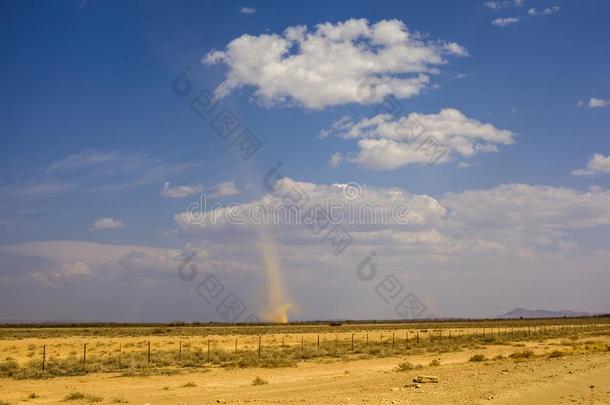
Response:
column 542, row 313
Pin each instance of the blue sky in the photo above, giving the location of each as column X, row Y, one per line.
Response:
column 91, row 132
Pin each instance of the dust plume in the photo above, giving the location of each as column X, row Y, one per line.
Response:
column 278, row 304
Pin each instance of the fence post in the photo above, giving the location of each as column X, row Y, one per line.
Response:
column 302, row 338
column 406, row 339
column 418, row 336
column 352, row 342
column 381, row 339
column 393, row 339
column 318, row 340
column 148, row 353
column 85, row 353
column 44, row 355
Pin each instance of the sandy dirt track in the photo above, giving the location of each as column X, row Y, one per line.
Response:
column 573, row 379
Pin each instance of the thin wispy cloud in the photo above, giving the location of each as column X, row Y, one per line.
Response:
column 84, row 160
column 504, row 22
column 247, row 10
column 502, row 5
column 170, row 191
column 545, row 11
column 225, row 189
column 94, row 171
column 35, row 189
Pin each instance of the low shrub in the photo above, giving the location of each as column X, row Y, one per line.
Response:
column 555, row 353
column 478, row 357
column 405, row 366
column 525, row 354
column 259, row 381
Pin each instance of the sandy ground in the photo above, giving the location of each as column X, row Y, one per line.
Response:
column 575, row 378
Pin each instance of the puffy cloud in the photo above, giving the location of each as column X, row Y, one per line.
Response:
column 347, row 62
column 504, row 22
column 598, row 103
column 524, row 207
column 387, row 142
column 108, row 223
column 473, row 236
column 353, row 205
column 180, row 191
column 596, row 165
column 507, row 214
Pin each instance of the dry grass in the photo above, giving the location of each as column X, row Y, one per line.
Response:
column 285, row 350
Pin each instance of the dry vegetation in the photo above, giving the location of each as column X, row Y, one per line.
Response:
column 181, row 350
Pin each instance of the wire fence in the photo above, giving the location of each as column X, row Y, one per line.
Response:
column 284, row 350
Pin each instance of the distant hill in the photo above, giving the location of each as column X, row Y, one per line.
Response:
column 541, row 313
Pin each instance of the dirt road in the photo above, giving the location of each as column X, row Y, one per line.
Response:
column 573, row 379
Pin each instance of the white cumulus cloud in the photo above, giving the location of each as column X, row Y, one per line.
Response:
column 596, row 165
column 347, row 62
column 387, row 142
